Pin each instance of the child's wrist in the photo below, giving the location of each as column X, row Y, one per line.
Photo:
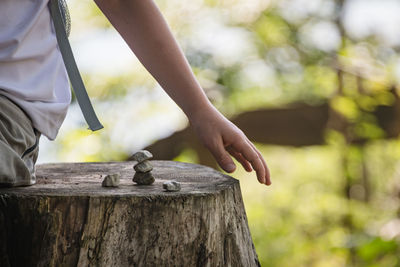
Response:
column 199, row 111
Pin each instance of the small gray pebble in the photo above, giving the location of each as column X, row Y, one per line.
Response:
column 142, row 155
column 111, row 180
column 144, row 166
column 172, row 186
column 143, row 178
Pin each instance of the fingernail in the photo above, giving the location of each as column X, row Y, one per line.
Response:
column 230, row 167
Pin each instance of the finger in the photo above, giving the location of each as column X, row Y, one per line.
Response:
column 221, row 156
column 239, row 157
column 267, row 173
column 251, row 155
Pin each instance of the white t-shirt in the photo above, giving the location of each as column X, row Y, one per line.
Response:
column 32, row 71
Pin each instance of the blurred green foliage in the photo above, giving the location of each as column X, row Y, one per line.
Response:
column 303, row 219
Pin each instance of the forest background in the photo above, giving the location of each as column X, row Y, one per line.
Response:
column 314, row 83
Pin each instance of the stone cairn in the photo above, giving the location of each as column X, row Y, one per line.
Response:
column 143, row 175
column 143, row 168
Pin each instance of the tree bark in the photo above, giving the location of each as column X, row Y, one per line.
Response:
column 68, row 219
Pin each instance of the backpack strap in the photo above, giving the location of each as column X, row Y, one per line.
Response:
column 72, row 70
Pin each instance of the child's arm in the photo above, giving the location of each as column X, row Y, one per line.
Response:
column 146, row 32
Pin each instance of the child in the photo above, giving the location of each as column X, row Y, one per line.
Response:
column 35, row 93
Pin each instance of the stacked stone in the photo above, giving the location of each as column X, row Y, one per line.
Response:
column 143, row 168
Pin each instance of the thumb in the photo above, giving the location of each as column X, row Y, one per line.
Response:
column 222, row 157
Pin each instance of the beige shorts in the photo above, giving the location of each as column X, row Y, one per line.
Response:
column 19, row 145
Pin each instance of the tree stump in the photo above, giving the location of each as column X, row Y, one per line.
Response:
column 69, row 219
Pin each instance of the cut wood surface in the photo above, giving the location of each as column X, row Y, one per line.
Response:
column 69, row 219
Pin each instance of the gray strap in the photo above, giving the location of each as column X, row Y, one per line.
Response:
column 72, row 69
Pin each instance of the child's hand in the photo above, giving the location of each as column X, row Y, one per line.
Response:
column 222, row 138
